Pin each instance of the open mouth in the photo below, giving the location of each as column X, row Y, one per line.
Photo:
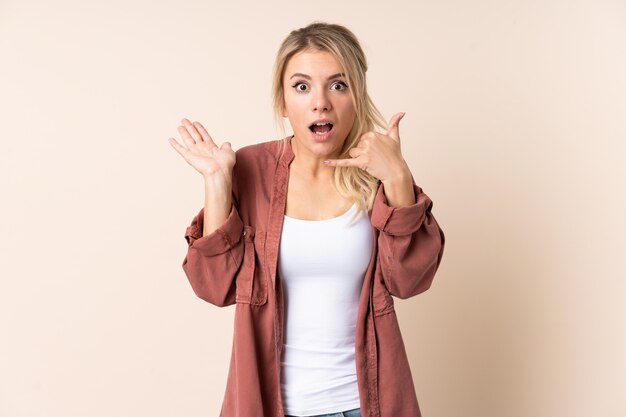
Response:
column 321, row 128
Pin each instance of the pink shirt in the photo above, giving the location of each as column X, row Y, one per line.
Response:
column 237, row 264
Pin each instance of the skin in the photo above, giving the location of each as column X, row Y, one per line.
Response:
column 312, row 194
column 311, row 191
column 315, row 95
column 216, row 166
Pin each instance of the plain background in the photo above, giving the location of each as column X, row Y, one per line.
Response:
column 515, row 126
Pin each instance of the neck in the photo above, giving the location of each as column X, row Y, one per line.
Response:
column 310, row 165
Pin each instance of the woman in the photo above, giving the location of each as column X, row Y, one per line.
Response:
column 311, row 236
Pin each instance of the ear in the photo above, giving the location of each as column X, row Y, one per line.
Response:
column 283, row 109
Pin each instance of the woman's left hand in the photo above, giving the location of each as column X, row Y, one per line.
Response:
column 379, row 154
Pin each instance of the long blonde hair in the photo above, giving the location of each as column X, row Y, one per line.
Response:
column 353, row 183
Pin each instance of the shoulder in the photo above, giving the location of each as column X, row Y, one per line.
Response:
column 261, row 153
column 255, row 166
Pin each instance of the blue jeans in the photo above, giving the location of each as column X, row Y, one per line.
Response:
column 350, row 413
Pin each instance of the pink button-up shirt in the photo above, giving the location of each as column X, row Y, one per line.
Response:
column 238, row 262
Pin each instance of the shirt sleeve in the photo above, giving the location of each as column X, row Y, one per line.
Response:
column 410, row 243
column 212, row 261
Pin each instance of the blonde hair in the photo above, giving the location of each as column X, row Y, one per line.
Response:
column 353, row 183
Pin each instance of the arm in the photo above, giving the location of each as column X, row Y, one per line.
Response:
column 217, row 202
column 410, row 243
column 215, row 246
column 213, row 260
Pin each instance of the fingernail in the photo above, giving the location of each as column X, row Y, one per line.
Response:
column 327, row 162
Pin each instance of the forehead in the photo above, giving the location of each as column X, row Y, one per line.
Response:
column 314, row 63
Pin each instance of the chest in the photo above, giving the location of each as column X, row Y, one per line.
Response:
column 314, row 200
column 331, row 248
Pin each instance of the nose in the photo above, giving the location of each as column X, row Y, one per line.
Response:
column 320, row 101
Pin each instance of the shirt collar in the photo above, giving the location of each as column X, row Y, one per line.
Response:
column 287, row 154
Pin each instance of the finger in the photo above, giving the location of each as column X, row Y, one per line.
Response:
column 192, row 130
column 205, row 135
column 184, row 133
column 394, row 131
column 350, row 162
column 362, row 144
column 226, row 145
column 178, row 147
column 366, row 139
column 355, row 152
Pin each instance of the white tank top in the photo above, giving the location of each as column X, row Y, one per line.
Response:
column 322, row 264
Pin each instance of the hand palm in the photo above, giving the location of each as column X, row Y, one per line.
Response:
column 211, row 160
column 202, row 153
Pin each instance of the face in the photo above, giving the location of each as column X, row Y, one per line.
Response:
column 316, row 93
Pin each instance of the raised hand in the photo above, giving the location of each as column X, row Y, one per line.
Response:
column 202, row 153
column 379, row 154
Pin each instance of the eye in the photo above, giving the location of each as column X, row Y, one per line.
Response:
column 341, row 84
column 300, row 86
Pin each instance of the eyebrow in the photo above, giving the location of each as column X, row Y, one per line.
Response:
column 308, row 77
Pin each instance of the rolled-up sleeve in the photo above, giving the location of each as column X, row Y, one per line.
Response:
column 410, row 243
column 212, row 261
column 222, row 239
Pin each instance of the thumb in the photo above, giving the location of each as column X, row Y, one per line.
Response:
column 226, row 145
column 394, row 131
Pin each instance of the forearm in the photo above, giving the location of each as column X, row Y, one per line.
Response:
column 410, row 243
column 217, row 203
column 399, row 189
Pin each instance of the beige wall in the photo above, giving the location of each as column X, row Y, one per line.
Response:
column 515, row 126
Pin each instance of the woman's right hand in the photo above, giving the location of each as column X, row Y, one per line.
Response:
column 202, row 153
